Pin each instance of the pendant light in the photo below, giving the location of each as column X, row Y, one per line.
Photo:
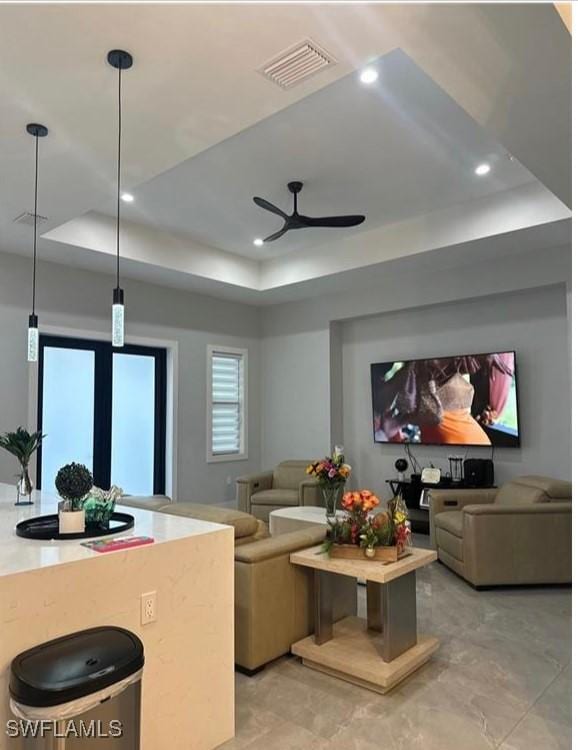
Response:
column 38, row 131
column 120, row 60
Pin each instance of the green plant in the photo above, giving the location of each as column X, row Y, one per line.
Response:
column 21, row 444
column 73, row 482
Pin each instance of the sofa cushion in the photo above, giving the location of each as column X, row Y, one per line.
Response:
column 275, row 497
column 243, row 524
column 513, row 493
column 289, row 474
column 451, row 521
column 152, row 502
column 261, row 533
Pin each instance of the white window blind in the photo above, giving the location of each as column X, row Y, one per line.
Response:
column 227, row 395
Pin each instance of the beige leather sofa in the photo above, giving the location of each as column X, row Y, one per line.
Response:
column 287, row 485
column 247, row 528
column 519, row 534
column 273, row 599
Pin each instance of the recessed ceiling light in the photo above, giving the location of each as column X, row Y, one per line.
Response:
column 258, row 242
column 482, row 169
column 127, row 197
column 369, row 75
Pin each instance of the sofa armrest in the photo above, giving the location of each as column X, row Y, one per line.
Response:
column 283, row 544
column 443, row 500
column 310, row 492
column 274, row 599
column 518, row 544
column 250, row 484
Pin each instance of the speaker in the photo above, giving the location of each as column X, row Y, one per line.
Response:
column 478, row 472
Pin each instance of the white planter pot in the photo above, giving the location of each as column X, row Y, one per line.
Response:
column 71, row 521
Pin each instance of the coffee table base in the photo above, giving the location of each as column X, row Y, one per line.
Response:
column 354, row 655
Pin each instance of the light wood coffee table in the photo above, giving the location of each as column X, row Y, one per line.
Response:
column 381, row 651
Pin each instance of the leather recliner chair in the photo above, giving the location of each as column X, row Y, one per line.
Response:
column 518, row 534
column 286, row 486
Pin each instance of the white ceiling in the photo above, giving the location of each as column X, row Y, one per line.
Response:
column 395, row 150
column 204, row 132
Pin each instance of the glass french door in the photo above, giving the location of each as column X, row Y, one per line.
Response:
column 105, row 408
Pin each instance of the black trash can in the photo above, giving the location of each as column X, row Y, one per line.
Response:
column 79, row 691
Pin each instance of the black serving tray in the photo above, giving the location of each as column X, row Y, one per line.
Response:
column 46, row 527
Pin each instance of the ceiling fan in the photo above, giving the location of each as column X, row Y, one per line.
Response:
column 298, row 221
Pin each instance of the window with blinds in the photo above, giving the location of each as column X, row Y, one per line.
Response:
column 227, row 403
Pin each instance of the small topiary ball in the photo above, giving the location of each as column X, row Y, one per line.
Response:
column 73, row 481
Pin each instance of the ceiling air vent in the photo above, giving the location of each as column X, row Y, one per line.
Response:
column 27, row 218
column 297, row 64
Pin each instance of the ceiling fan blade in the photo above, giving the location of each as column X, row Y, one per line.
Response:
column 262, row 203
column 278, row 234
column 333, row 221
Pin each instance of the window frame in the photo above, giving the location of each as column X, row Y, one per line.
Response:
column 242, row 355
column 102, row 437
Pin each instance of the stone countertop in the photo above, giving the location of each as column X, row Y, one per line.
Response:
column 18, row 555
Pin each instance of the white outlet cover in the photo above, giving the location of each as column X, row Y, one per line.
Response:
column 148, row 607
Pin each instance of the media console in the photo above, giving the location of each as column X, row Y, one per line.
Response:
column 414, row 493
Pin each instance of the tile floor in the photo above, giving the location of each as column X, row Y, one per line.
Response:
column 501, row 679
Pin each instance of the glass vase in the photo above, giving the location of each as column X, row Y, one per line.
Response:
column 99, row 511
column 331, row 496
column 24, row 488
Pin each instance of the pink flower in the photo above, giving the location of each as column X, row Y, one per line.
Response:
column 332, row 473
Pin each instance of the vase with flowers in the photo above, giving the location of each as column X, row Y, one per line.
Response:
column 332, row 473
column 361, row 533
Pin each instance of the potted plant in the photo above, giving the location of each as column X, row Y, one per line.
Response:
column 384, row 536
column 331, row 472
column 22, row 444
column 73, row 483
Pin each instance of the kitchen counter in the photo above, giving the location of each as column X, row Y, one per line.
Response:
column 18, row 555
column 51, row 588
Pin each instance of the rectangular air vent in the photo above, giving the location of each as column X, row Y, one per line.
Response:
column 27, row 218
column 297, row 63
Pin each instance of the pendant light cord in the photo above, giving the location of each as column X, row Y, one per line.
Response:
column 118, row 182
column 35, row 220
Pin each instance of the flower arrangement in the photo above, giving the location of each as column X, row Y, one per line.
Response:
column 369, row 533
column 331, row 472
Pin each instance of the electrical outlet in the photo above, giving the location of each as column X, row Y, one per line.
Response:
column 148, row 607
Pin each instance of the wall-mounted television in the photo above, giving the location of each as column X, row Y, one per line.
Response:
column 468, row 400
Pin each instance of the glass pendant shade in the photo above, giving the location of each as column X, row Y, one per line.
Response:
column 33, row 338
column 118, row 317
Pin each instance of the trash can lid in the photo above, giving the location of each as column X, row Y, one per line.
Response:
column 74, row 665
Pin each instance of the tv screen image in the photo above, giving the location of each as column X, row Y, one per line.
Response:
column 465, row 400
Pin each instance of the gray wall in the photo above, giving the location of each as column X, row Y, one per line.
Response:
column 533, row 323
column 68, row 297
column 303, row 368
column 308, row 405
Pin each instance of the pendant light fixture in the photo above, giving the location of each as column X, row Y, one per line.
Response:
column 120, row 60
column 38, row 131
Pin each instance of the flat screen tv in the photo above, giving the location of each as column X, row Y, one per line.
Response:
column 466, row 400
